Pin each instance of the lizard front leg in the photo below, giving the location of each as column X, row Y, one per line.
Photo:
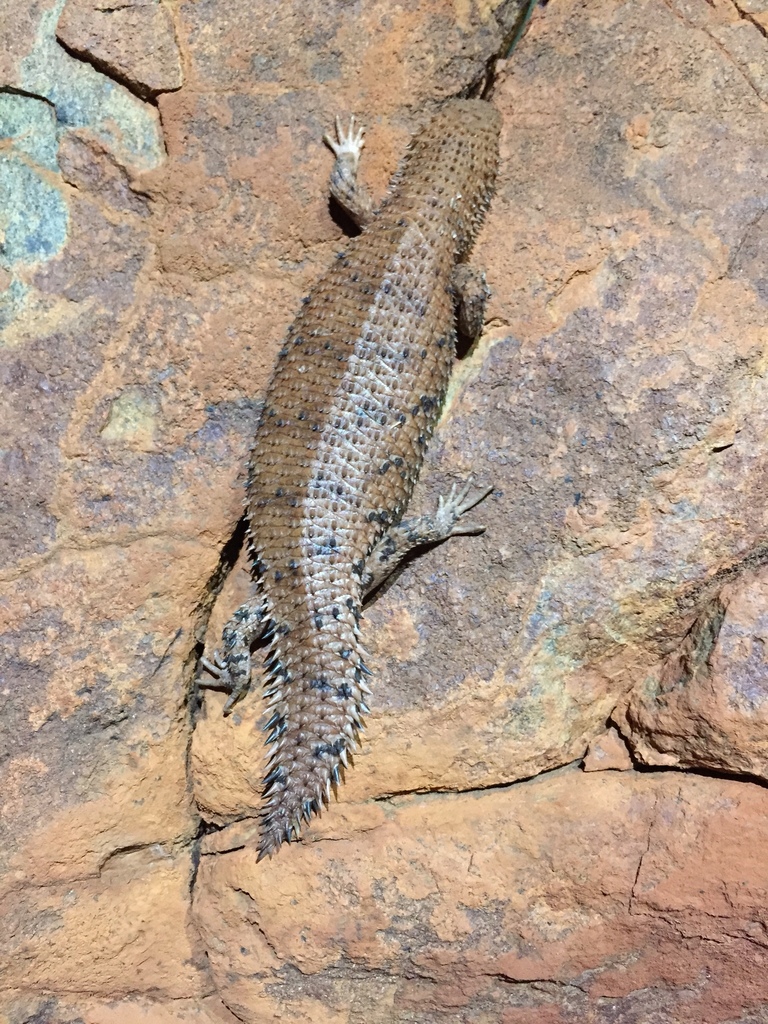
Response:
column 348, row 192
column 471, row 293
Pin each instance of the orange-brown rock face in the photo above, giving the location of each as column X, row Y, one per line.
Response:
column 133, row 41
column 706, row 706
column 153, row 254
column 572, row 897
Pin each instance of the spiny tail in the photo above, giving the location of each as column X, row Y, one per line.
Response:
column 316, row 692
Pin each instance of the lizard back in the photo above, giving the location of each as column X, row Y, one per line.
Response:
column 352, row 403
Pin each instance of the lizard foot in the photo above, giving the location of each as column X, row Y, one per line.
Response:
column 347, row 144
column 410, row 534
column 222, row 680
column 450, row 509
column 231, row 671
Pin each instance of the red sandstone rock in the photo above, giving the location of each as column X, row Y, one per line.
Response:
column 131, row 40
column 607, row 753
column 600, row 897
column 618, row 404
column 707, row 706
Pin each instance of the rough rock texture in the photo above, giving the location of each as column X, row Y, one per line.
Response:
column 601, row 897
column 132, row 41
column 151, row 258
column 706, row 705
column 607, row 753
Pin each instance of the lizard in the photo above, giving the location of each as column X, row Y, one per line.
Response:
column 353, row 401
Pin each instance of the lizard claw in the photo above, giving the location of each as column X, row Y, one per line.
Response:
column 348, row 143
column 223, row 680
column 451, row 509
column 219, row 669
column 215, row 667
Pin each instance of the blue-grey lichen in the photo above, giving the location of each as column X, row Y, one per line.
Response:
column 33, row 215
column 56, row 94
column 85, row 98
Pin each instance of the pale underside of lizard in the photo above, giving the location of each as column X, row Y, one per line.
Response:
column 353, row 401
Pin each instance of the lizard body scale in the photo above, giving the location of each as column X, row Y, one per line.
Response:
column 352, row 403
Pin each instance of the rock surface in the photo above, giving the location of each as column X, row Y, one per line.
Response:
column 152, row 255
column 607, row 753
column 131, row 40
column 573, row 897
column 707, row 704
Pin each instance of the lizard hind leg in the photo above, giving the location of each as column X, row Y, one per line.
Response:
column 420, row 531
column 231, row 670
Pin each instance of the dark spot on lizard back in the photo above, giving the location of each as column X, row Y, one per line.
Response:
column 323, row 749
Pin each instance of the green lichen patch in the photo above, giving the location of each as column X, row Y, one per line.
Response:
column 132, row 418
